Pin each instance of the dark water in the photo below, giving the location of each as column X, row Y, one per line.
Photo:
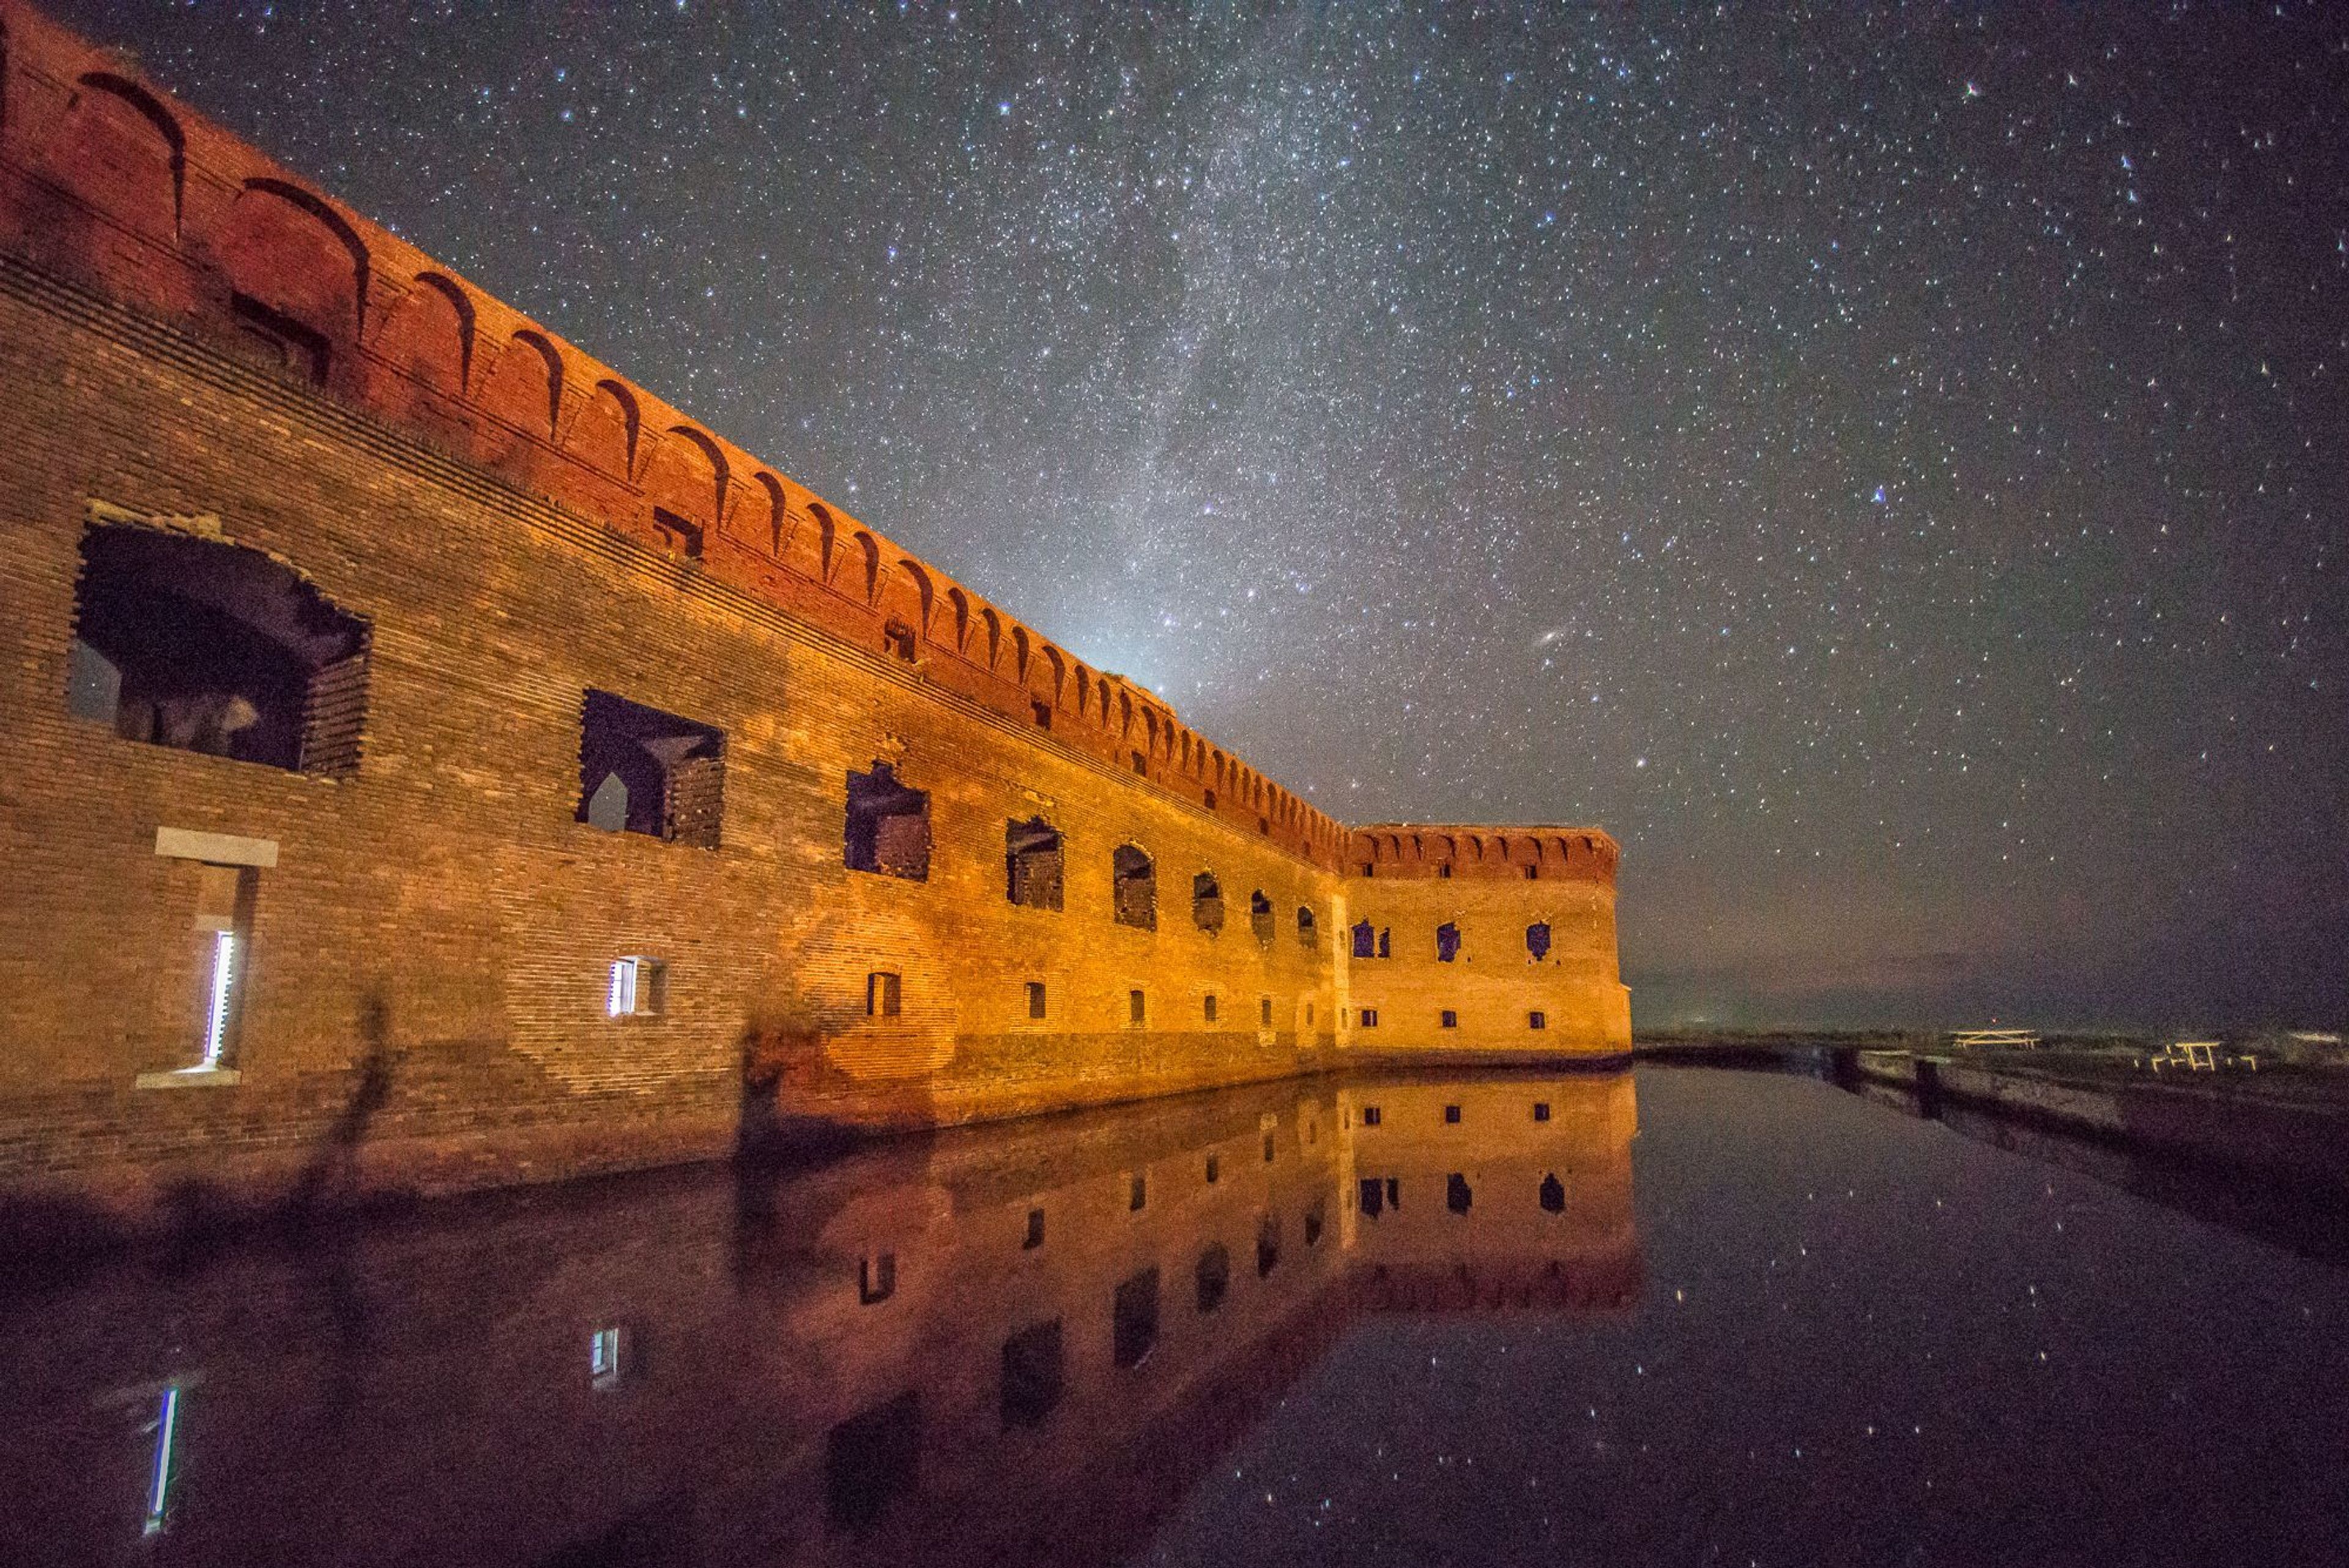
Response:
column 1710, row 1316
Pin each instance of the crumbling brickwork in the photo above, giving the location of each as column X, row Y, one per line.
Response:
column 428, row 529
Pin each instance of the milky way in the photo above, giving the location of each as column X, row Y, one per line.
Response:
column 1891, row 473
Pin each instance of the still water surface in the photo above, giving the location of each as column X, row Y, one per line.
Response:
column 1702, row 1316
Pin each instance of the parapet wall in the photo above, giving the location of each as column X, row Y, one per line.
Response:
column 107, row 180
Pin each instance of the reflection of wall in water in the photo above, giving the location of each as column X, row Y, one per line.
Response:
column 792, row 1358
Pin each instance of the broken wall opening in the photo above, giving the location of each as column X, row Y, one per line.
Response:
column 1133, row 888
column 1033, row 864
column 204, row 646
column 1537, row 940
column 888, row 825
column 1447, row 942
column 1260, row 917
column 643, row 770
column 1206, row 903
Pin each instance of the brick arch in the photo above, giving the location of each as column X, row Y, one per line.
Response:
column 910, row 596
column 298, row 276
column 524, row 388
column 426, row 335
column 1059, row 664
column 685, row 471
column 993, row 623
column 765, row 491
column 826, row 542
column 868, row 557
column 960, row 601
column 605, row 431
column 120, row 149
column 1019, row 653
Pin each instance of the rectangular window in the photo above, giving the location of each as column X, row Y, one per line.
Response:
column 1137, row 1191
column 1134, row 1316
column 883, row 994
column 1043, row 713
column 888, row 825
column 224, row 897
column 876, row 1278
column 1370, row 1116
column 1452, row 1116
column 643, row 770
column 1140, row 764
column 1370, row 1018
column 1134, row 1007
column 1541, row 1110
column 604, row 1359
column 1031, row 853
column 1536, row 1021
column 1444, row 872
column 1035, row 998
column 1032, row 1375
column 639, row 988
column 1215, row 1167
column 1533, row 873
column 872, row 1459
column 1211, row 1007
column 1451, row 1020
column 1035, row 1237
column 1264, row 1011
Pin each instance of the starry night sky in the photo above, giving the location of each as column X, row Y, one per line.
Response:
column 1889, row 472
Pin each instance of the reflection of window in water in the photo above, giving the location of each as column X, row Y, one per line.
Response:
column 1553, row 1193
column 1457, row 1195
column 1134, row 1318
column 1033, row 1377
column 167, row 1434
column 604, row 1359
column 872, row 1457
column 1213, row 1277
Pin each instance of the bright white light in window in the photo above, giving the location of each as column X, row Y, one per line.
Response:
column 603, row 1358
column 159, row 1491
column 223, row 980
column 623, row 998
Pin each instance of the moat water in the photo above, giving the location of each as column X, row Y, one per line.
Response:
column 1685, row 1317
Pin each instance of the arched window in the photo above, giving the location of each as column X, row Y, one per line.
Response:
column 1537, row 940
column 1031, row 853
column 1447, row 942
column 1553, row 1194
column 1260, row 917
column 1206, row 903
column 1307, row 936
column 1214, row 1276
column 1366, row 939
column 1133, row 888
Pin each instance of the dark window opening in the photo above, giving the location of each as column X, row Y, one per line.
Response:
column 1215, row 1167
column 1553, row 1194
column 1452, row 1116
column 1140, row 764
column 1264, row 1012
column 1137, row 1191
column 679, row 537
column 1034, row 1374
column 1214, row 1276
column 1541, row 1110
column 883, row 994
column 643, row 770
column 1386, row 946
column 1447, row 942
column 898, row 638
column 1536, row 1021
column 1135, row 1008
column 1313, row 1224
column 869, row 1459
column 888, row 825
column 1260, row 917
column 1306, row 933
column 207, row 647
column 1211, row 1007
column 1457, row 1195
column 1370, row 1116
column 1133, row 888
column 1373, row 1197
column 1206, row 903
column 1035, row 998
column 1369, row 871
column 1264, row 827
column 1267, row 1149
column 1533, row 873
column 1366, row 939
column 1031, row 857
column 1043, row 711
column 1537, row 940
column 1207, row 799
column 1267, row 1245
column 1134, row 1319
column 1035, row 1237
column 876, row 1278
column 1445, row 871
column 1370, row 1018
column 1450, row 1019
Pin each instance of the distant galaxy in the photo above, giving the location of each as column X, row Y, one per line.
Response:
column 1888, row 470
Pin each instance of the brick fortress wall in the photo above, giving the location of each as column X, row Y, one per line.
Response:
column 205, row 351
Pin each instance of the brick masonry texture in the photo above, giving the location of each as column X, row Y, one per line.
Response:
column 200, row 344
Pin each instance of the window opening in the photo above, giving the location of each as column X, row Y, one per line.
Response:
column 1366, row 939
column 1214, row 1168
column 1447, row 942
column 883, row 996
column 1541, row 1110
column 1260, row 917
column 1137, row 1191
column 1035, row 1237
column 1134, row 1319
column 643, row 770
column 1034, row 1374
column 899, row 638
column 639, row 988
column 1533, row 873
column 1267, row 1245
column 1213, row 1277
column 1537, row 940
column 1307, row 937
column 165, row 1470
column 888, row 830
column 1386, row 949
column 1373, row 1197
column 1264, row 1012
column 1140, row 763
column 1444, row 871
column 1452, row 1116
column 1370, row 1116
column 1450, row 1019
column 1032, row 863
column 1553, row 1194
column 1206, row 903
column 1457, row 1194
column 872, row 1457
column 1313, row 1224
column 1135, row 1008
column 1043, row 713
column 1211, row 1007
column 223, row 923
column 1036, row 999
column 603, row 1360
column 1133, row 888
column 1536, row 1021
column 203, row 646
column 1370, row 1018
column 876, row 1278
